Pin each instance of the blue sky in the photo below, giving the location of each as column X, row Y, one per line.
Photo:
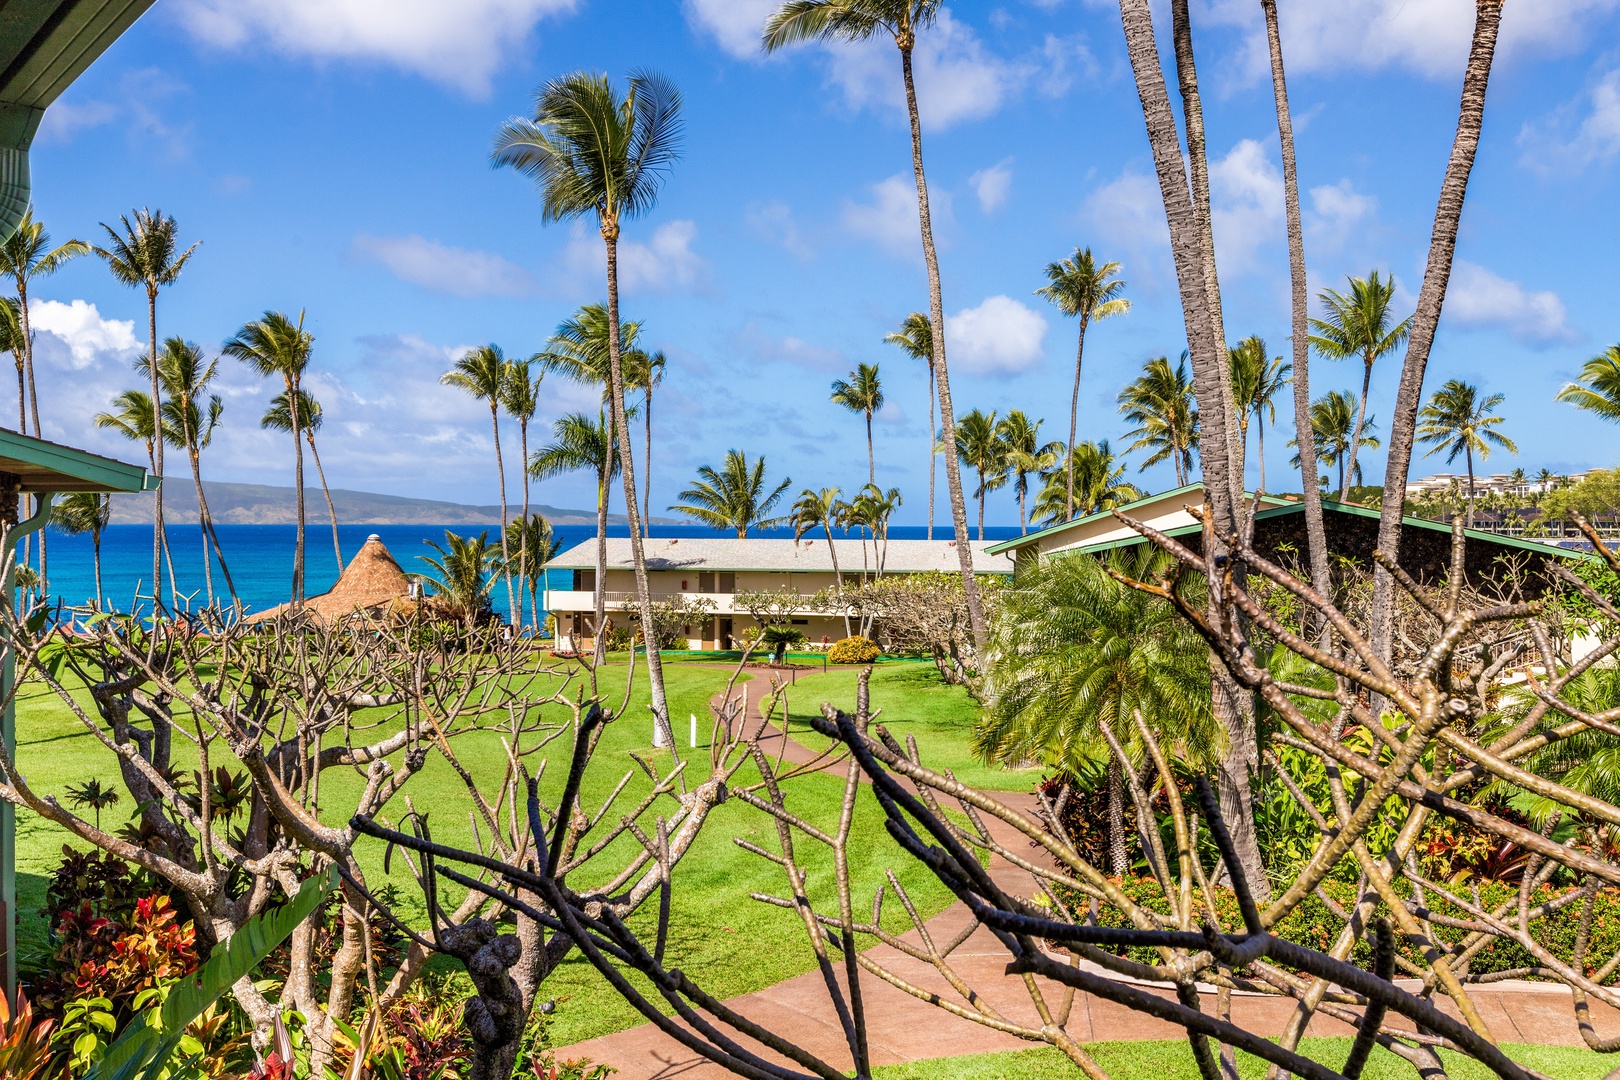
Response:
column 332, row 155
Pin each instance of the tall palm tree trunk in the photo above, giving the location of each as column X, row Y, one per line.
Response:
column 621, row 429
column 1355, row 432
column 1431, row 297
column 1118, row 854
column 159, row 537
column 526, row 573
column 202, row 513
column 500, row 476
column 838, row 575
column 1468, row 454
column 95, row 549
column 600, row 598
column 33, row 401
column 1074, row 422
column 646, row 484
column 331, row 510
column 22, row 392
column 936, row 321
column 1260, row 449
column 981, row 504
column 298, row 494
column 1186, row 214
column 1315, row 529
column 933, row 443
column 871, row 458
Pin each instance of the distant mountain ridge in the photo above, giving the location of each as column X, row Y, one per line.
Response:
column 265, row 504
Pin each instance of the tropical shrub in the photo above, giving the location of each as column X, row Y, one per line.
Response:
column 780, row 638
column 854, row 650
column 25, row 1043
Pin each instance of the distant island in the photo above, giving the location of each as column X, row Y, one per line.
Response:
column 265, row 504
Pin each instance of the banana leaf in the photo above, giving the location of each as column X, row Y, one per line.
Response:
column 151, row 1038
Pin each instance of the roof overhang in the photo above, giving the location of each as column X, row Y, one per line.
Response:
column 42, row 466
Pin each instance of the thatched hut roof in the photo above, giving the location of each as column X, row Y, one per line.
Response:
column 372, row 584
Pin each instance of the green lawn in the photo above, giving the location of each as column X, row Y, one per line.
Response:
column 1174, row 1061
column 731, row 943
column 914, row 701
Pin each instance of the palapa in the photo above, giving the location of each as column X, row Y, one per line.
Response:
column 372, row 585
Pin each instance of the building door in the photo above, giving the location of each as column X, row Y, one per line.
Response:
column 725, row 634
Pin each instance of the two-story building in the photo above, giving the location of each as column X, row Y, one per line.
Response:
column 717, row 569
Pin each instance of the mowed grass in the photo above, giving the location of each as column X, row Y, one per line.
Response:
column 1174, row 1061
column 731, row 944
column 914, row 701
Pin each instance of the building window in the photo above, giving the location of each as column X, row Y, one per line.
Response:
column 801, row 622
column 728, row 583
column 705, row 582
column 584, row 580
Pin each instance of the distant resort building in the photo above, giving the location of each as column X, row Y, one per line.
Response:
column 1495, row 484
column 718, row 569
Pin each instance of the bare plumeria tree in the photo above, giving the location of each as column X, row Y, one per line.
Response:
column 359, row 708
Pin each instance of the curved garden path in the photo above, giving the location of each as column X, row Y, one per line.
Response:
column 903, row 1028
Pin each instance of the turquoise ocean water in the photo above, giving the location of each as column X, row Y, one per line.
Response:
column 261, row 557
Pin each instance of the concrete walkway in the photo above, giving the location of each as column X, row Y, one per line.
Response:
column 903, row 1028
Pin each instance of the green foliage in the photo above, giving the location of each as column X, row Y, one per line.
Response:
column 733, row 497
column 25, row 1044
column 1160, row 403
column 1072, row 648
column 462, row 574
column 853, row 650
column 1597, row 496
column 146, row 1044
column 779, row 638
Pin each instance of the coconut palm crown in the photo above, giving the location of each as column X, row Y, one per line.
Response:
column 862, row 393
column 1597, row 388
column 734, row 497
column 1458, row 421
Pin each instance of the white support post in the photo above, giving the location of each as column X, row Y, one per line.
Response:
column 694, row 729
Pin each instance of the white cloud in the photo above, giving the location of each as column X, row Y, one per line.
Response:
column 458, row 44
column 1558, row 143
column 81, row 329
column 991, row 185
column 957, row 77
column 65, row 119
column 664, row 262
column 437, row 266
column 1336, row 211
column 774, row 223
column 1479, row 299
column 1000, row 336
column 736, row 24
column 890, row 219
column 1430, row 37
column 1246, row 195
column 135, row 109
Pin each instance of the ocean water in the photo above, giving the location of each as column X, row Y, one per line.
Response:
column 260, row 557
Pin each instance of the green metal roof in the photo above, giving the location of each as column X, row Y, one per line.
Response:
column 1328, row 506
column 44, row 46
column 1051, row 530
column 47, row 466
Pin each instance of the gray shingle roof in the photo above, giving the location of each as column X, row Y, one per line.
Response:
column 805, row 556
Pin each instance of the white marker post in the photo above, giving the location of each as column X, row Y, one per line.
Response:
column 694, row 729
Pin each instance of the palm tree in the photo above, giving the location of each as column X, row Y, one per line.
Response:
column 1160, row 403
column 185, row 376
column 1458, row 421
column 144, row 255
column 582, row 442
column 92, row 795
column 134, row 418
column 462, row 574
column 1597, row 388
column 85, row 512
column 978, row 446
column 1544, row 480
column 821, row 510
column 592, row 152
column 1333, row 419
column 1075, row 652
column 532, row 537
column 1098, row 485
column 1082, row 289
column 651, row 375
column 862, row 393
column 1255, row 382
column 520, row 397
column 899, row 21
column 1025, row 454
column 916, row 339
column 25, row 256
column 873, row 508
column 275, row 345
column 482, row 373
column 278, row 417
column 15, row 342
column 1358, row 325
column 734, row 497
